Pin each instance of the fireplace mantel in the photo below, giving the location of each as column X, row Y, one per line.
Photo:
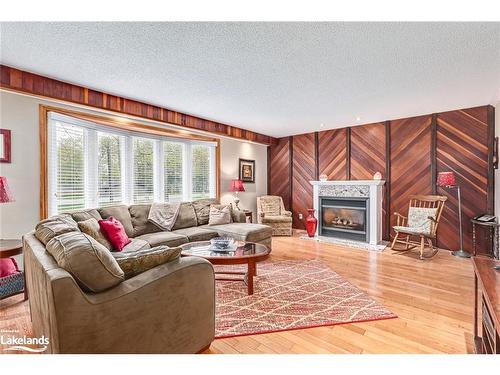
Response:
column 371, row 189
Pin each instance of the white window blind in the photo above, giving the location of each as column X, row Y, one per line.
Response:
column 90, row 165
column 173, row 159
column 143, row 150
column 201, row 176
column 109, row 163
column 67, row 154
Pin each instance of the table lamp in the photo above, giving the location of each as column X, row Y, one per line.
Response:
column 236, row 187
column 5, row 193
column 447, row 180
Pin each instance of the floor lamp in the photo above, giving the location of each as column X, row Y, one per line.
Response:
column 447, row 180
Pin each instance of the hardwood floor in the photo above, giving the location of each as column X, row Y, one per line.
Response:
column 433, row 300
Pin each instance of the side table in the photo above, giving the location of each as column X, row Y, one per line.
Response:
column 248, row 215
column 9, row 248
column 492, row 227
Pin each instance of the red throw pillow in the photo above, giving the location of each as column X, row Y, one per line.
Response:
column 8, row 266
column 115, row 233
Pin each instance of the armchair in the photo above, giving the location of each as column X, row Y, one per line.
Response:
column 271, row 211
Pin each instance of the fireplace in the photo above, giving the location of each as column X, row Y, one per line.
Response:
column 344, row 217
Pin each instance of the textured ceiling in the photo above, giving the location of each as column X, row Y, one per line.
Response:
column 274, row 78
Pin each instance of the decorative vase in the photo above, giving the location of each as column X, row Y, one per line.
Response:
column 311, row 223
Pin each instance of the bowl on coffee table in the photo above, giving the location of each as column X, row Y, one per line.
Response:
column 222, row 244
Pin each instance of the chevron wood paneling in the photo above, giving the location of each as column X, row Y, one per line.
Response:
column 279, row 163
column 367, row 151
column 410, row 162
column 332, row 154
column 303, row 171
column 461, row 141
column 462, row 147
column 368, row 156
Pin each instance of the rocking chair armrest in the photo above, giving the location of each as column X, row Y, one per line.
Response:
column 432, row 218
column 398, row 214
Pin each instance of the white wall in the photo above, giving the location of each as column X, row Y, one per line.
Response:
column 231, row 151
column 19, row 113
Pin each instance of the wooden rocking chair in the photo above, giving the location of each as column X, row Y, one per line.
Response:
column 424, row 213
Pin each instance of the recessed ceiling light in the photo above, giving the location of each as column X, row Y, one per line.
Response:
column 321, row 125
column 358, row 119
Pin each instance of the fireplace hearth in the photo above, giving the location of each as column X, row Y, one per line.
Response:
column 344, row 218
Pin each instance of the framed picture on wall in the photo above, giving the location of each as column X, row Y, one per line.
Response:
column 247, row 170
column 5, row 146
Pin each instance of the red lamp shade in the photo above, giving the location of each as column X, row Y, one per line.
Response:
column 446, row 179
column 236, row 185
column 5, row 194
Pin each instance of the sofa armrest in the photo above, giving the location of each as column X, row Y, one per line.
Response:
column 168, row 309
column 287, row 213
column 239, row 216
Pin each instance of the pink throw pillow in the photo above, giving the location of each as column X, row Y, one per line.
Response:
column 8, row 266
column 115, row 233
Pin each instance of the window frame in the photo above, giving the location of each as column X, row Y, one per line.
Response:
column 118, row 124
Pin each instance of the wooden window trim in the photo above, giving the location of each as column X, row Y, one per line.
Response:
column 114, row 122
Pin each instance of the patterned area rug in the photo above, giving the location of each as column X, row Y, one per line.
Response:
column 291, row 295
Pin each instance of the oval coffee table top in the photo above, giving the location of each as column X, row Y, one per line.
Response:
column 243, row 253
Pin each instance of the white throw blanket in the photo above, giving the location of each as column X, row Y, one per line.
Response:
column 163, row 215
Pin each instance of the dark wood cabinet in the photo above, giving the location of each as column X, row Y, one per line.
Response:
column 486, row 306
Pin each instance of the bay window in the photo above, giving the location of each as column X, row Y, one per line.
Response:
column 91, row 165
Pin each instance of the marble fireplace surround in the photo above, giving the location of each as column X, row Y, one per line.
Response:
column 371, row 189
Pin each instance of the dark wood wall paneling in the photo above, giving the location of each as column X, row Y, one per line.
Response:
column 368, row 156
column 21, row 81
column 462, row 147
column 332, row 154
column 303, row 171
column 410, row 162
column 279, row 164
column 408, row 153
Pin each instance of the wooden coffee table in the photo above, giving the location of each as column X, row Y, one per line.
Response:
column 248, row 253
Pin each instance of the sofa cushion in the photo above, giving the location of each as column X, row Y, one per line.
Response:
column 139, row 215
column 92, row 228
column 243, row 231
column 121, row 214
column 186, row 217
column 276, row 219
column 202, row 209
column 47, row 229
column 135, row 244
column 197, row 234
column 164, row 238
column 85, row 215
column 133, row 263
column 90, row 263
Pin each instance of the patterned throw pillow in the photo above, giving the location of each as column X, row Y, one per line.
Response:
column 91, row 227
column 136, row 262
column 219, row 214
column 418, row 217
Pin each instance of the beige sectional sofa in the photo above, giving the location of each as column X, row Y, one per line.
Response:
column 167, row 309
